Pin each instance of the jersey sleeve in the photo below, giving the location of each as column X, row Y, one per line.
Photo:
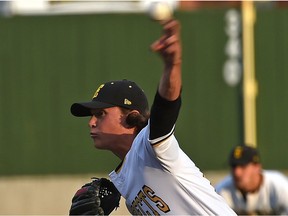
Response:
column 163, row 117
column 280, row 184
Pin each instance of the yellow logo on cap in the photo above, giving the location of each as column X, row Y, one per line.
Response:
column 238, row 152
column 127, row 102
column 97, row 91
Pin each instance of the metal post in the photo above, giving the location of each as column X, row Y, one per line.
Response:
column 249, row 81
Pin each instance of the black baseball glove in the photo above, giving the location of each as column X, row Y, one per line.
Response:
column 99, row 197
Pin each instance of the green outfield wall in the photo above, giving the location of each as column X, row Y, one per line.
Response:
column 49, row 62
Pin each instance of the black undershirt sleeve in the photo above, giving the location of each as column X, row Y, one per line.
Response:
column 163, row 116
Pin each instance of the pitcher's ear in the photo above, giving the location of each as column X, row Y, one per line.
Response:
column 134, row 118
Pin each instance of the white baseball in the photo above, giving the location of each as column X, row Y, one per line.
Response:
column 160, row 11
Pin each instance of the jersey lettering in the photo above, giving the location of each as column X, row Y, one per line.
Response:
column 159, row 202
column 136, row 207
column 143, row 197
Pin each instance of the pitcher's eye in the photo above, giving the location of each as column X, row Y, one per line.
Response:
column 98, row 113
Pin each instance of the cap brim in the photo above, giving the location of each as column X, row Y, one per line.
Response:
column 84, row 109
column 238, row 163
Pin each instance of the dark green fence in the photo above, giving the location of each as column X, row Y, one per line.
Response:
column 49, row 62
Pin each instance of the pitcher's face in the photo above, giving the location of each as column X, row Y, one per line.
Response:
column 106, row 125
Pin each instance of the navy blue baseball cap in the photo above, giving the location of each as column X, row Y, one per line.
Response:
column 122, row 93
column 242, row 155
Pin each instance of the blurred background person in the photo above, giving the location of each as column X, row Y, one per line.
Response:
column 249, row 189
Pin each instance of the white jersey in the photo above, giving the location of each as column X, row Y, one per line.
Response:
column 270, row 199
column 161, row 179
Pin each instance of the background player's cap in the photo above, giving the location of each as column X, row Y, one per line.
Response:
column 122, row 93
column 242, row 155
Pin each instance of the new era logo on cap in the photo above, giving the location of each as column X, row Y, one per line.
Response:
column 127, row 102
